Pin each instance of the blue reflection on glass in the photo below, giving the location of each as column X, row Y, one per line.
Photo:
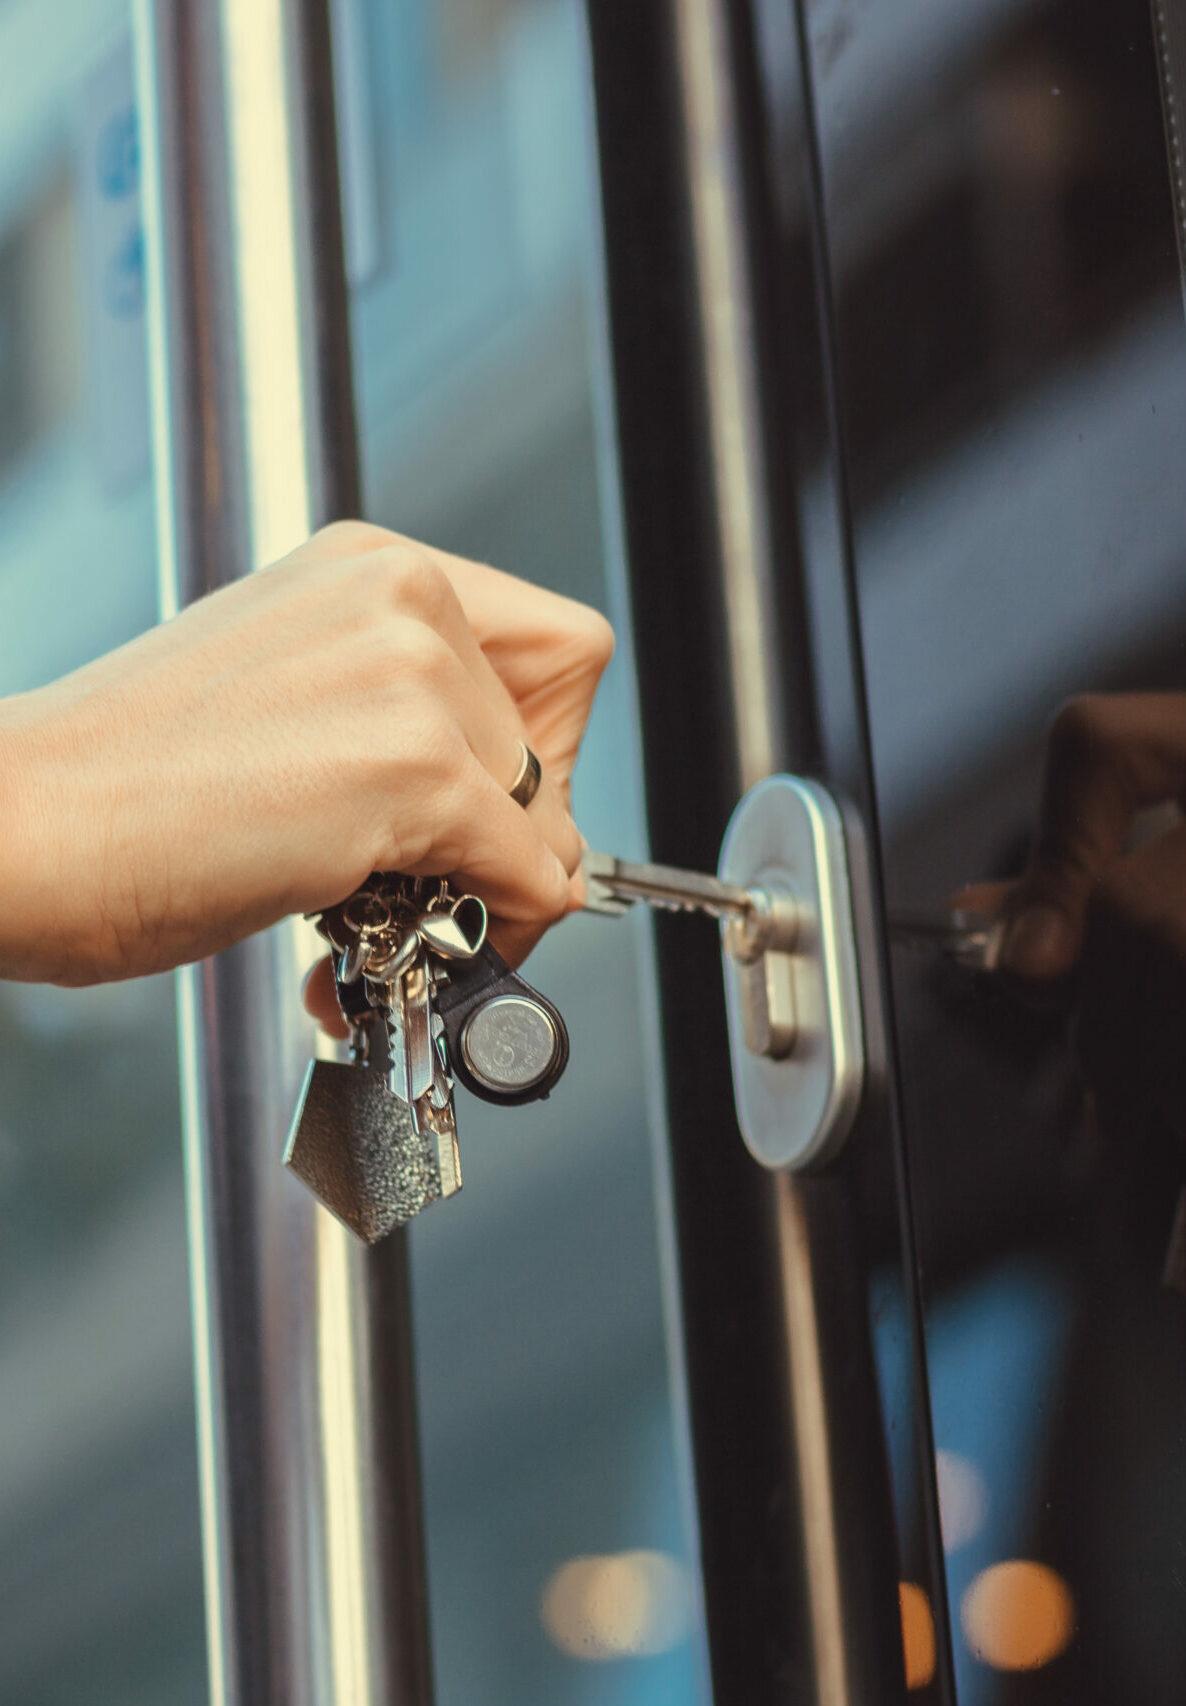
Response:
column 551, row 1428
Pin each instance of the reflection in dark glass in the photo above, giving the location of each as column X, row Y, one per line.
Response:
column 1012, row 360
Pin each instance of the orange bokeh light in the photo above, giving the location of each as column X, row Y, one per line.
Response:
column 918, row 1634
column 1018, row 1615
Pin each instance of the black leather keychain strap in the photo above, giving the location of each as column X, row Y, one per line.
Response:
column 470, row 987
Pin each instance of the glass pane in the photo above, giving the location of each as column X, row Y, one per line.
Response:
column 1013, row 376
column 559, row 1549
column 100, row 1576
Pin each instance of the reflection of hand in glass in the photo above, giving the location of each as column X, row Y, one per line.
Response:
column 1114, row 912
column 1108, row 757
column 358, row 706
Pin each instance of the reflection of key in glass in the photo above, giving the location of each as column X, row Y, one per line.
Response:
column 755, row 917
column 971, row 939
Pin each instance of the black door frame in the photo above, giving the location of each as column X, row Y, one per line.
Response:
column 709, row 101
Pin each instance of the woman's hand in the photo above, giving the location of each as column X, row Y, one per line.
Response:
column 357, row 707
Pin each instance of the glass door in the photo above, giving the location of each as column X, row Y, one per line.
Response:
column 561, row 1545
column 100, row 1561
column 844, row 369
column 998, row 194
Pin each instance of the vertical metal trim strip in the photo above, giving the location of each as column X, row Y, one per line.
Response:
column 794, row 1502
column 733, row 417
column 314, row 1556
column 815, row 1468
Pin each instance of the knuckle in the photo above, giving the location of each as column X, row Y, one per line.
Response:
column 352, row 538
column 445, row 766
column 415, row 583
column 1110, row 894
column 423, row 660
column 582, row 639
column 597, row 638
column 427, row 777
column 567, row 846
column 448, row 824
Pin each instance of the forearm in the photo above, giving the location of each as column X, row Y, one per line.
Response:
column 262, row 752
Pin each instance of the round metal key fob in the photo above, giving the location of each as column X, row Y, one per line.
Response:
column 506, row 1042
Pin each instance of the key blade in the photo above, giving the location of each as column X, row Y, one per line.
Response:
column 612, row 884
column 970, row 939
column 416, row 1001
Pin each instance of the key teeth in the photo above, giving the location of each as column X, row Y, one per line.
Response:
column 612, row 885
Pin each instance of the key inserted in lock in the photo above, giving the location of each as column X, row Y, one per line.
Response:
column 796, row 1108
column 760, row 931
column 789, row 956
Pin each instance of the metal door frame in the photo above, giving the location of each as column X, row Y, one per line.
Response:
column 314, row 1554
column 747, row 636
column 314, row 1550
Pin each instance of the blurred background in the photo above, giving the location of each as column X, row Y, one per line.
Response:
column 1013, row 383
column 557, row 1538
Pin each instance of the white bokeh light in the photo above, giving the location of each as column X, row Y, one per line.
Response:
column 619, row 1605
column 963, row 1499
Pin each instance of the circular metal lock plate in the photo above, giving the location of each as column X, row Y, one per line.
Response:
column 510, row 1043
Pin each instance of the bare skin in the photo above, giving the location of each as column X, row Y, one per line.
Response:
column 356, row 707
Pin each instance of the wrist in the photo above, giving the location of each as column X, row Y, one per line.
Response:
column 34, row 922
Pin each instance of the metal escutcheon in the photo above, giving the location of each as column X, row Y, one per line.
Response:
column 795, row 1031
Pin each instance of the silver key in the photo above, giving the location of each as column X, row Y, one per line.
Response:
column 757, row 920
column 760, row 929
column 376, row 1140
column 415, row 1021
column 448, row 929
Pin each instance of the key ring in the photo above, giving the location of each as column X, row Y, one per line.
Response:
column 480, row 922
column 366, row 911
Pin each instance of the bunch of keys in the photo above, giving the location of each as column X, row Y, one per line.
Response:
column 429, row 1002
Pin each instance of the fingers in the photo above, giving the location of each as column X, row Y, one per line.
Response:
column 465, row 824
column 548, row 651
column 515, row 941
column 491, row 733
column 321, row 999
column 499, row 606
column 1107, row 756
column 485, row 842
